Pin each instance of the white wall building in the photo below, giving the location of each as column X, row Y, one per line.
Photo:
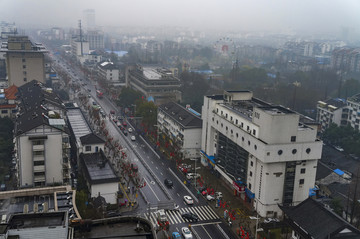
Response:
column 264, row 147
column 112, row 73
column 182, row 126
column 332, row 111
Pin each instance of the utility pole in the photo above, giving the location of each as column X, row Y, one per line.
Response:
column 81, row 38
column 354, row 196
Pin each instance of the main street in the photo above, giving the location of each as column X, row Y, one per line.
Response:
column 154, row 169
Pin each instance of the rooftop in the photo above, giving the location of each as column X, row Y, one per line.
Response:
column 97, row 168
column 78, row 124
column 313, row 219
column 91, row 139
column 181, row 115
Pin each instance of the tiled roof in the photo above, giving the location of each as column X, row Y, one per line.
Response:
column 181, row 115
column 91, row 139
column 314, row 220
column 10, row 93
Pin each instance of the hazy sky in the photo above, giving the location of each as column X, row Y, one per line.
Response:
column 254, row 15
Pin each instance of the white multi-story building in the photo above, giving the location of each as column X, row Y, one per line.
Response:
column 111, row 72
column 24, row 60
column 264, row 147
column 353, row 108
column 41, row 138
column 332, row 111
column 182, row 126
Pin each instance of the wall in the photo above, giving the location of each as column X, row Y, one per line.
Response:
column 106, row 190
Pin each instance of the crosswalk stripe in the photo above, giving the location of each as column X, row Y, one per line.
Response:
column 181, row 210
column 153, row 217
column 212, row 212
column 201, row 208
column 170, row 218
column 202, row 213
column 177, row 216
column 205, row 209
column 199, row 214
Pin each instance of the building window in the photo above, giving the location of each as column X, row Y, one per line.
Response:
column 294, row 151
column 39, row 163
column 236, row 121
column 38, row 142
column 4, row 111
column 38, row 153
column 87, row 148
column 280, row 152
column 249, row 142
column 302, row 171
column 226, row 115
column 293, row 138
column 237, row 135
column 251, row 163
column 25, row 79
column 301, row 181
column 23, row 60
column 254, row 131
column 242, row 139
column 24, row 72
column 255, row 147
column 308, row 150
column 250, row 186
column 242, row 125
column 250, row 174
column 39, row 174
column 24, row 66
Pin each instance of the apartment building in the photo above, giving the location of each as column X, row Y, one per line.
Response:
column 24, row 60
column 264, row 149
column 332, row 111
column 157, row 83
column 41, row 138
column 8, row 107
column 183, row 126
column 112, row 73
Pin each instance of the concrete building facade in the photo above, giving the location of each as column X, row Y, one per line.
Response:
column 182, row 126
column 260, row 148
column 24, row 60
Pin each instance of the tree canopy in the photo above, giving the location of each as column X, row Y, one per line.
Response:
column 128, row 97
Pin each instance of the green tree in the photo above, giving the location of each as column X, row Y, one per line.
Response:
column 128, row 97
column 147, row 110
column 335, row 204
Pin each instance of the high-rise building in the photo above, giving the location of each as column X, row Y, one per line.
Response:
column 95, row 39
column 266, row 150
column 24, row 60
column 89, row 18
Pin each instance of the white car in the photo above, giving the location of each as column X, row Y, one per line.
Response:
column 210, row 197
column 338, row 148
column 130, row 130
column 186, row 233
column 188, row 200
column 133, row 138
column 192, row 175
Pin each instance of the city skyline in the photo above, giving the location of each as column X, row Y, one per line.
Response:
column 321, row 17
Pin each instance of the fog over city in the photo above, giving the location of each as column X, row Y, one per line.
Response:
column 281, row 16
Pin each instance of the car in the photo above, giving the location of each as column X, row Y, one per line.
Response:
column 120, row 118
column 210, row 197
column 124, row 124
column 112, row 112
column 338, row 148
column 188, row 200
column 176, row 235
column 89, row 96
column 130, row 130
column 102, row 113
column 115, row 120
column 185, row 231
column 125, row 132
column 192, row 175
column 269, row 220
column 168, row 183
column 118, row 124
column 190, row 216
column 133, row 138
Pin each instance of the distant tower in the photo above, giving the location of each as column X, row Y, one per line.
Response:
column 89, row 18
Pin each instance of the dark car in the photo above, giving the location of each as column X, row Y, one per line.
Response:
column 125, row 132
column 190, row 216
column 168, row 183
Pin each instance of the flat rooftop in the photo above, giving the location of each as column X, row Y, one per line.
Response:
column 78, row 123
column 33, row 220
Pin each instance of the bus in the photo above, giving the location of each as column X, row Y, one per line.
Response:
column 99, row 94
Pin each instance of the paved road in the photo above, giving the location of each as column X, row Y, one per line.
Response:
column 155, row 169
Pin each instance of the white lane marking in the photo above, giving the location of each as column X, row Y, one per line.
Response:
column 206, row 232
column 177, row 216
column 170, row 218
column 222, row 231
column 212, row 212
column 182, row 183
column 203, row 209
column 178, row 194
column 151, row 189
column 161, row 173
column 156, row 168
column 163, row 164
column 149, row 146
column 195, row 232
column 201, row 214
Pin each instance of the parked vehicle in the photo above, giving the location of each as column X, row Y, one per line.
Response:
column 176, row 235
column 133, row 138
column 192, row 176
